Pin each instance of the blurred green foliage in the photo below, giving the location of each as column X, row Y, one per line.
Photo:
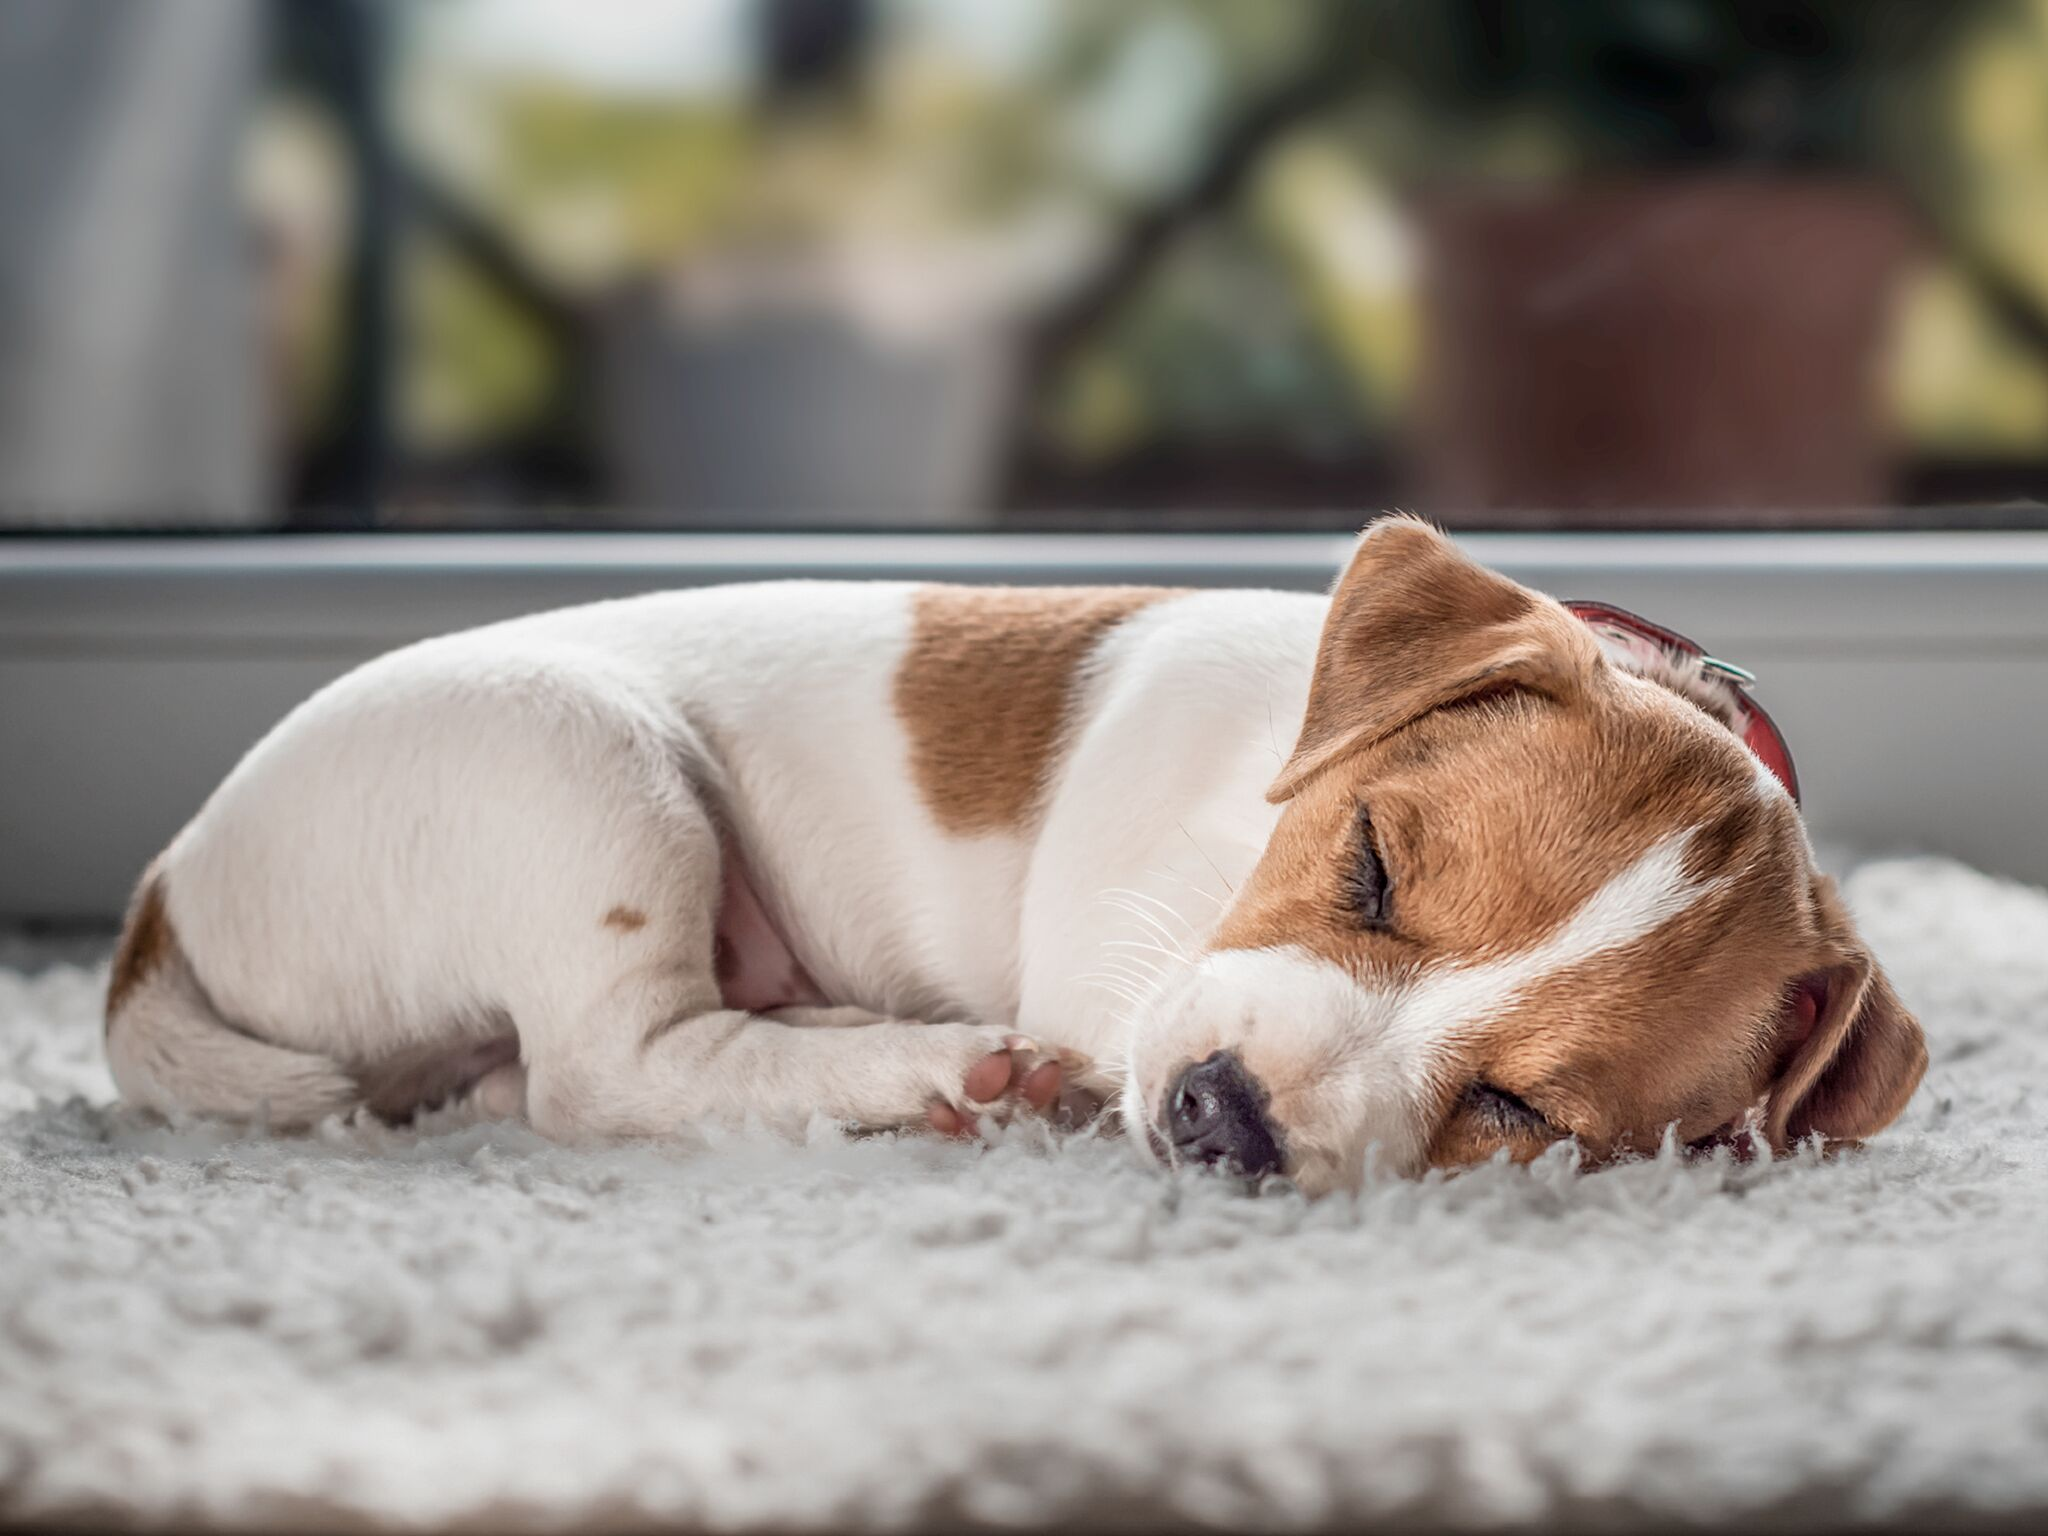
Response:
column 1288, row 314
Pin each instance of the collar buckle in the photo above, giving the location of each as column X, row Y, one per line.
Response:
column 1756, row 728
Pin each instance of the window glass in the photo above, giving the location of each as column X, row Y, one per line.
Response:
column 486, row 264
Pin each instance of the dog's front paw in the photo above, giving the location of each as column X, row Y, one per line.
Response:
column 1020, row 1078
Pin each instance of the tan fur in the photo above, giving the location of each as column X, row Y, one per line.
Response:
column 147, row 942
column 1693, row 1028
column 1478, row 877
column 626, row 919
column 1676, row 1030
column 1852, row 1075
column 1414, row 627
column 1509, row 774
column 986, row 689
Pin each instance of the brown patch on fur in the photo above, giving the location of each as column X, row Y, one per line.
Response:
column 1697, row 1027
column 626, row 919
column 1413, row 627
column 147, row 942
column 1854, row 1070
column 1477, row 873
column 1675, row 1030
column 987, row 687
column 1509, row 775
column 1495, row 825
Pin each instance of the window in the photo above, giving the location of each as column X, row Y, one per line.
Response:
column 1023, row 263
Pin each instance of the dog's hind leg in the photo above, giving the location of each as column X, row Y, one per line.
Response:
column 626, row 1033
column 601, row 923
column 170, row 1050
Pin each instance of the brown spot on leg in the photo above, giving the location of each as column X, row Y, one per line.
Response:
column 987, row 686
column 626, row 919
column 147, row 941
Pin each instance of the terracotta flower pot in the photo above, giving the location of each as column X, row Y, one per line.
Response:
column 1696, row 344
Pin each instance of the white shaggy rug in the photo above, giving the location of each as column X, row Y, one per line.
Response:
column 474, row 1329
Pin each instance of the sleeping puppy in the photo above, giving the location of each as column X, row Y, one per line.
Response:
column 1431, row 866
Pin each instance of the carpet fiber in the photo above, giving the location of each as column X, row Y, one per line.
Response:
column 469, row 1327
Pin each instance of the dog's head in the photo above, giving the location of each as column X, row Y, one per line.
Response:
column 1519, row 892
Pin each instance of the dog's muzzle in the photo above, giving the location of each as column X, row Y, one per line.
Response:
column 1216, row 1114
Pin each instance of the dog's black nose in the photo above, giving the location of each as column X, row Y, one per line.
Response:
column 1216, row 1114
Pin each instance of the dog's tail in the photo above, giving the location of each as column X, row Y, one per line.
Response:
column 170, row 1050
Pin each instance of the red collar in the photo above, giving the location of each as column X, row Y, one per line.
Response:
column 1758, row 731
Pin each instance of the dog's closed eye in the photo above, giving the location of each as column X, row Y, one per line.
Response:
column 1368, row 892
column 1508, row 1113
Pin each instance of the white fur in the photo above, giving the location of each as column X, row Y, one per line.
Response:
column 1160, row 810
column 1290, row 1006
column 423, row 854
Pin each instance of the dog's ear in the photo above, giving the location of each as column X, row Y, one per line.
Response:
column 1415, row 625
column 1851, row 1055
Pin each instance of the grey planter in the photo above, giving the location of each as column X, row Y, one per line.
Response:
column 795, row 415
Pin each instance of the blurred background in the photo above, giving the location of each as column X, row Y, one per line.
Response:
column 1073, row 264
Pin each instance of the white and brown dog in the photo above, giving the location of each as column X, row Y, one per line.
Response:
column 908, row 856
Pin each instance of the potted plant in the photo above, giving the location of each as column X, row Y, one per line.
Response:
column 842, row 349
column 786, row 294
column 1684, row 308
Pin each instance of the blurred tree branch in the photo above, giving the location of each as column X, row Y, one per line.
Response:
column 1333, row 66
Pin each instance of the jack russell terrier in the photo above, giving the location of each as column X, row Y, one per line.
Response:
column 1435, row 865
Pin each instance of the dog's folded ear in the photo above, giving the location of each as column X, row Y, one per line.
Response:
column 1414, row 625
column 1851, row 1054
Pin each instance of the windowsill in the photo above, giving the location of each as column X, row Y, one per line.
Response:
column 264, row 588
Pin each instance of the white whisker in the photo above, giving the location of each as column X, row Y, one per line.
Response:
column 1188, row 885
column 1143, row 986
column 1154, row 925
column 1164, row 906
column 1103, row 984
column 1128, row 981
column 1142, row 947
column 1184, row 832
column 1146, row 941
column 1151, row 985
column 1130, row 987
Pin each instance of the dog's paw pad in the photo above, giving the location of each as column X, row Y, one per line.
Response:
column 1041, row 1085
column 999, row 1086
column 989, row 1078
column 948, row 1121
